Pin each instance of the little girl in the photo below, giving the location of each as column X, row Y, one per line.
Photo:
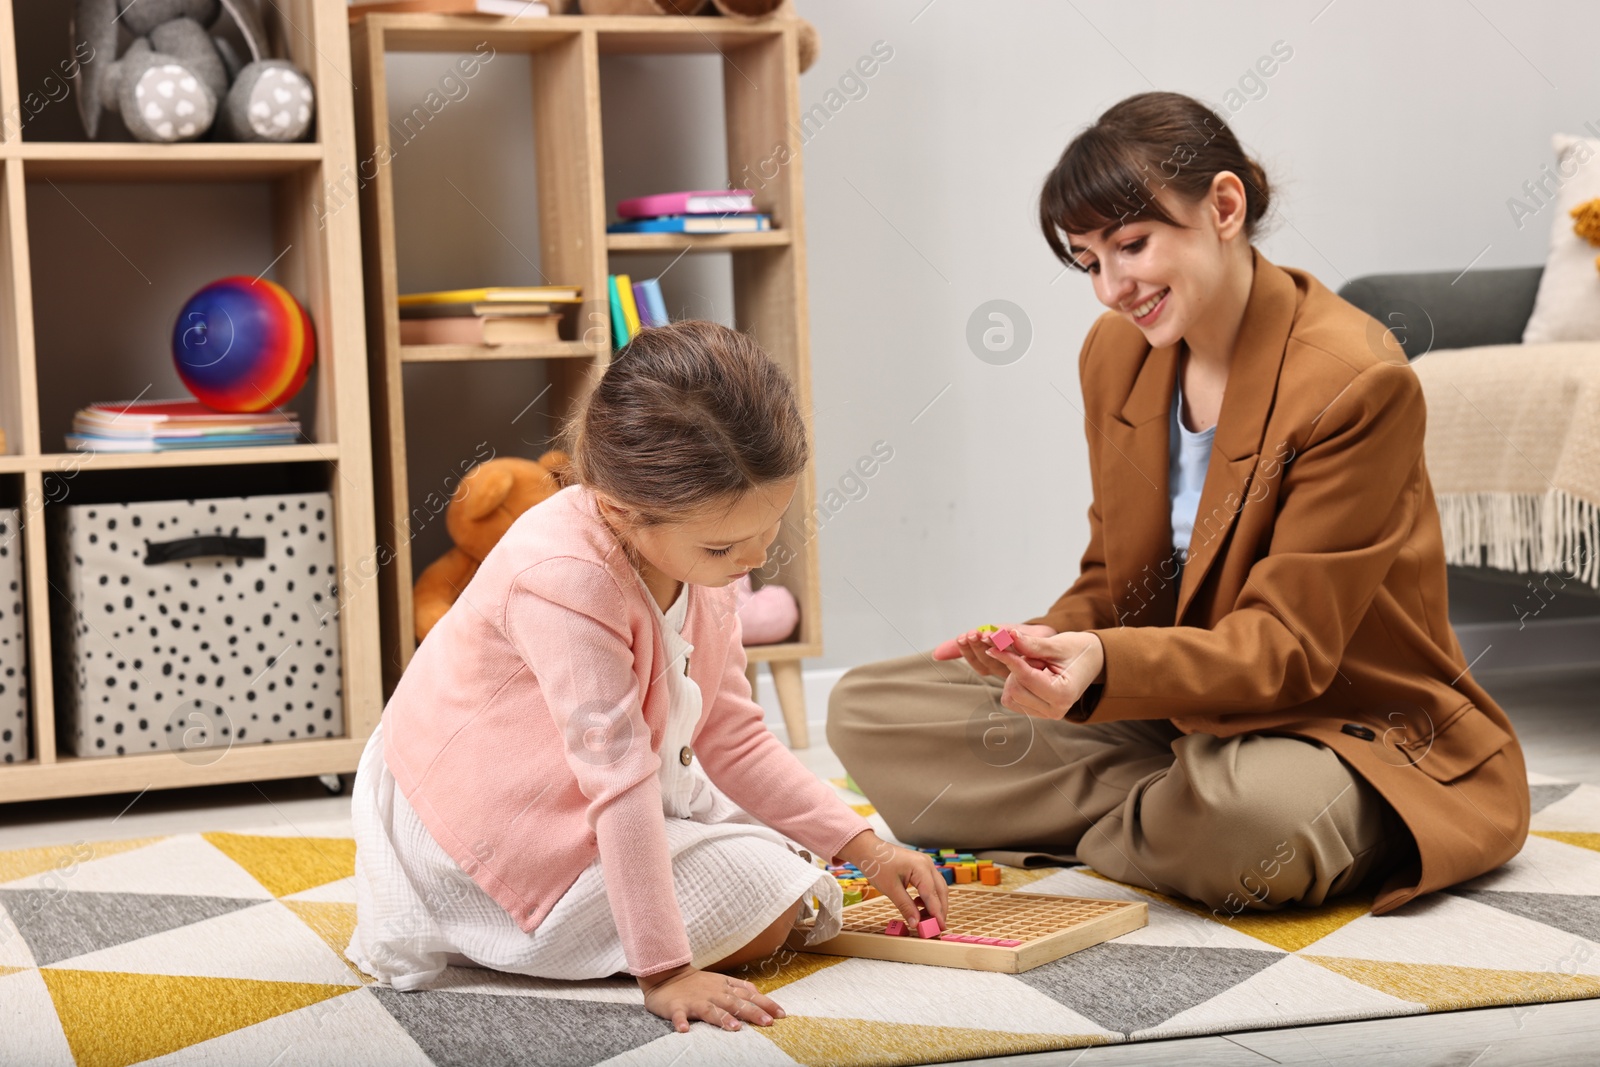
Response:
column 571, row 778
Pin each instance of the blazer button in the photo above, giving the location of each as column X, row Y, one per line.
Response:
column 685, row 754
column 1355, row 729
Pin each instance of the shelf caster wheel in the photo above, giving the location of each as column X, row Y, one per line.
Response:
column 333, row 783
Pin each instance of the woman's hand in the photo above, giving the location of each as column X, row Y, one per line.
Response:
column 686, row 993
column 891, row 868
column 974, row 647
column 1070, row 662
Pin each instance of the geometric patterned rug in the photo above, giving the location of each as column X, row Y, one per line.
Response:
column 227, row 948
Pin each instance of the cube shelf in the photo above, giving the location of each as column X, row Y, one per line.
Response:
column 759, row 69
column 275, row 194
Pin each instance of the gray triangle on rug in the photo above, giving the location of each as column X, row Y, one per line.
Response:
column 484, row 1030
column 1137, row 987
column 1574, row 914
column 60, row 925
column 1545, row 794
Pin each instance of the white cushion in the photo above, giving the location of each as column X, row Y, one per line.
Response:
column 1568, row 305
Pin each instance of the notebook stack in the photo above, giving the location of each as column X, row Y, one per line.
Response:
column 634, row 306
column 168, row 425
column 698, row 211
column 497, row 315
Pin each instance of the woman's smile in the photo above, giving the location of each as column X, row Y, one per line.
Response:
column 1147, row 312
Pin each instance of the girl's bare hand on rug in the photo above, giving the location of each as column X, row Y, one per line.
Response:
column 891, row 869
column 974, row 647
column 1049, row 674
column 686, row 993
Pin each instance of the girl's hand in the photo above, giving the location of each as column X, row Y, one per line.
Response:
column 974, row 647
column 686, row 993
column 891, row 868
column 1049, row 674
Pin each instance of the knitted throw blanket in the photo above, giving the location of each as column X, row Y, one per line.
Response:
column 1513, row 450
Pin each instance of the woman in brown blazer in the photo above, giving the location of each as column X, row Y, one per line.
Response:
column 1270, row 708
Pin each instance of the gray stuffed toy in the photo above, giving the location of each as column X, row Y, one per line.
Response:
column 180, row 76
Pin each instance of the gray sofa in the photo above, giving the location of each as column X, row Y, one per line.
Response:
column 1430, row 310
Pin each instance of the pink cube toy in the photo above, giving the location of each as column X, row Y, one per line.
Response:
column 928, row 928
column 1002, row 639
column 896, row 928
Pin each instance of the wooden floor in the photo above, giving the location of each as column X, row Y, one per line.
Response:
column 1557, row 716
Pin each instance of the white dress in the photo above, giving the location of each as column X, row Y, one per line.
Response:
column 417, row 911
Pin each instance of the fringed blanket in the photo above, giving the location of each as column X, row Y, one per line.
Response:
column 1513, row 449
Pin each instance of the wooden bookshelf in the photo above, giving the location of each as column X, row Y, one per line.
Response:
column 322, row 268
column 760, row 92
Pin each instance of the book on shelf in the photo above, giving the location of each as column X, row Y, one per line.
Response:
column 513, row 9
column 634, row 306
column 163, row 425
column 510, row 294
column 481, row 330
column 694, row 224
column 630, row 310
column 695, row 202
column 653, row 308
column 478, row 307
column 619, row 321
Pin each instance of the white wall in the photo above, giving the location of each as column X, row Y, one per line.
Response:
column 1394, row 135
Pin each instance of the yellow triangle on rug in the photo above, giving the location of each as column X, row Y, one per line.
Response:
column 787, row 966
column 289, row 864
column 333, row 921
column 1446, row 988
column 822, row 1042
column 29, row 861
column 1291, row 928
column 112, row 1019
column 1571, row 837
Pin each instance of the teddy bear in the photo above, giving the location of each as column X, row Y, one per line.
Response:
column 182, row 77
column 489, row 499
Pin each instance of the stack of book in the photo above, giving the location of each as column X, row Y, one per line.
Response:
column 698, row 211
column 634, row 306
column 497, row 315
column 167, row 425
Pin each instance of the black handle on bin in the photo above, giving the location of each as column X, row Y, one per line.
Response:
column 204, row 545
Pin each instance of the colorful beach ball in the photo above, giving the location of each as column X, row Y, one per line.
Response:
column 243, row 344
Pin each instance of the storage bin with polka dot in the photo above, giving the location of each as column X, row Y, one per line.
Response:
column 195, row 625
column 14, row 731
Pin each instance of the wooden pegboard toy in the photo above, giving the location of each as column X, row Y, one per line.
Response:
column 1047, row 927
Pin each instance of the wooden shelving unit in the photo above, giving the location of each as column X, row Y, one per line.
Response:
column 760, row 91
column 322, row 268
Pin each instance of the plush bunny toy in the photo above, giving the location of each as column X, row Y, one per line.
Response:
column 180, row 76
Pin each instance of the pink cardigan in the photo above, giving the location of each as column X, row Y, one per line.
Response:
column 525, row 731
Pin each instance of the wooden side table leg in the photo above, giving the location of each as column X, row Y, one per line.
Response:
column 792, row 699
column 752, row 671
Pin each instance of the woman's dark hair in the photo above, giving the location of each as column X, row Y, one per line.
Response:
column 686, row 416
column 1108, row 175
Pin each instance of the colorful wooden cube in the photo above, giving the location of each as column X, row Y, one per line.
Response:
column 989, row 875
column 896, row 928
column 928, row 928
column 963, row 875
